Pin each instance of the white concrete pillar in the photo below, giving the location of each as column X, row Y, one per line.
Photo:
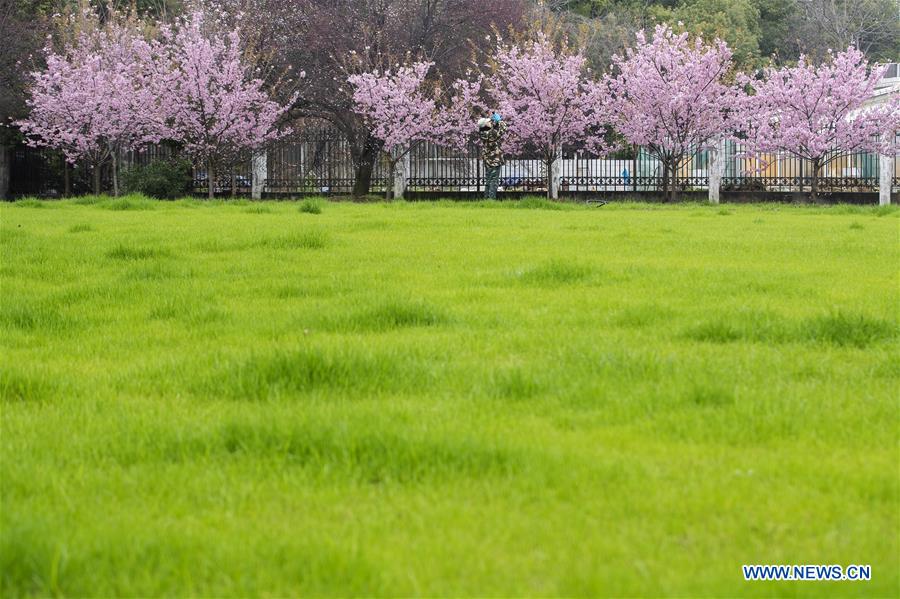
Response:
column 716, row 170
column 401, row 174
column 260, row 167
column 885, row 179
column 555, row 173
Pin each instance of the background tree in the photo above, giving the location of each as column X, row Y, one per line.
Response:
column 216, row 108
column 334, row 40
column 670, row 95
column 736, row 22
column 23, row 25
column 873, row 26
column 812, row 111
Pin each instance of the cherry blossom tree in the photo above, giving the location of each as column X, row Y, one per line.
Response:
column 670, row 95
column 216, row 108
column 95, row 99
column 816, row 113
column 398, row 108
column 548, row 100
column 402, row 109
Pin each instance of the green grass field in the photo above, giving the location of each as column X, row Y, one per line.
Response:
column 438, row 399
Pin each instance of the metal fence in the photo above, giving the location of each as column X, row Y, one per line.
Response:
column 842, row 172
column 318, row 161
column 434, row 168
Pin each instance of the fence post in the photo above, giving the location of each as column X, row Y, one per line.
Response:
column 554, row 174
column 885, row 179
column 716, row 168
column 477, row 168
column 634, row 168
column 260, row 172
column 401, row 173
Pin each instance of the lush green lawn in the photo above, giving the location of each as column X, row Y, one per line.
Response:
column 436, row 399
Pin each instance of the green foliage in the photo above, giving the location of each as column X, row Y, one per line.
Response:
column 431, row 399
column 162, row 179
column 735, row 21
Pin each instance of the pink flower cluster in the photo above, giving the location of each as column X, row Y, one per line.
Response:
column 671, row 94
column 113, row 90
column 95, row 99
column 810, row 110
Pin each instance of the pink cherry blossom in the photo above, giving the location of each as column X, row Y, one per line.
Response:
column 547, row 99
column 95, row 99
column 216, row 109
column 399, row 108
column 816, row 112
column 670, row 95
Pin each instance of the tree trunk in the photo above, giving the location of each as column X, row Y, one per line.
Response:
column 389, row 188
column 210, row 180
column 364, row 165
column 665, row 180
column 673, row 197
column 362, row 181
column 549, row 166
column 115, row 174
column 5, row 170
column 233, row 184
column 814, row 182
column 67, row 179
column 96, row 174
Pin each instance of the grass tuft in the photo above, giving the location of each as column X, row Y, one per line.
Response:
column 38, row 317
column 193, row 312
column 128, row 203
column 90, row 200
column 642, row 315
column 311, row 206
column 124, row 252
column 303, row 240
column 19, row 387
column 81, row 228
column 710, row 396
column 555, row 272
column 258, row 209
column 307, row 370
column 396, row 314
column 367, row 455
column 531, row 203
column 515, row 383
column 31, row 203
column 841, row 328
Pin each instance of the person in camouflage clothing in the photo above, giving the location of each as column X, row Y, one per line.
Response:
column 490, row 132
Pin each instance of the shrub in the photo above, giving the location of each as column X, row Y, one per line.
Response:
column 162, row 179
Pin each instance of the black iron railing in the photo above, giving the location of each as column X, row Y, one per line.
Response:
column 320, row 161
